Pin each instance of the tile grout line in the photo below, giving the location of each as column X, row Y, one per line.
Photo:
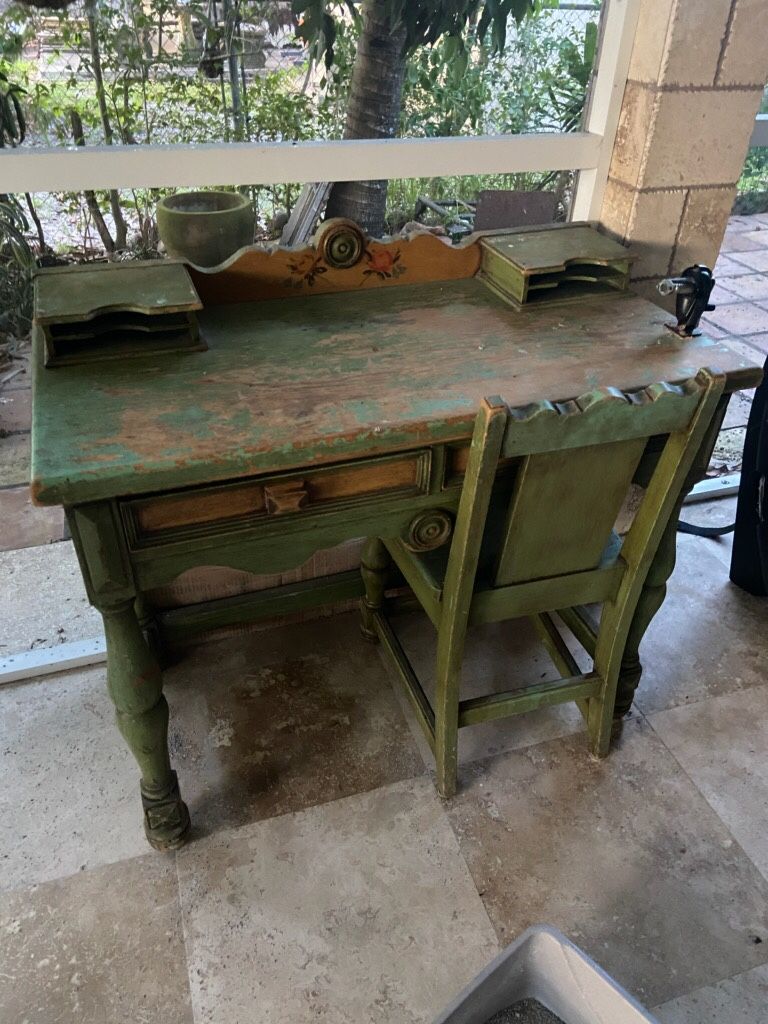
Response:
column 734, row 840
column 688, row 776
column 702, row 988
column 183, row 921
column 443, row 804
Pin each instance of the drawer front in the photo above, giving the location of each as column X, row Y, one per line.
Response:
column 236, row 506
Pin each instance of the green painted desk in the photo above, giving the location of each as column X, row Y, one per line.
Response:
column 310, row 420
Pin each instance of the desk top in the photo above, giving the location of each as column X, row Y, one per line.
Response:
column 322, row 378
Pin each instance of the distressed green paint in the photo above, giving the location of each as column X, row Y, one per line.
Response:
column 548, row 575
column 289, row 384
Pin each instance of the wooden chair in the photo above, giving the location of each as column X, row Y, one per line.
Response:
column 535, row 535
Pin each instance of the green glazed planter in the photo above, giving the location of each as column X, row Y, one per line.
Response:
column 205, row 228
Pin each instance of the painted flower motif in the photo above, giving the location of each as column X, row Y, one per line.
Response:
column 383, row 263
column 304, row 270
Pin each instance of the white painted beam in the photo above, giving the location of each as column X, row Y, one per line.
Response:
column 617, row 35
column 98, row 167
column 760, row 131
column 43, row 660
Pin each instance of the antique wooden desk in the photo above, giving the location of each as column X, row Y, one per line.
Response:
column 335, row 399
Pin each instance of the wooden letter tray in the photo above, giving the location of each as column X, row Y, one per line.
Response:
column 555, row 265
column 116, row 309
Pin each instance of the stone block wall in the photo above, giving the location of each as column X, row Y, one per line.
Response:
column 696, row 78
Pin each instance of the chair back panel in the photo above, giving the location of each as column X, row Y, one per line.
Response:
column 578, row 458
column 563, row 509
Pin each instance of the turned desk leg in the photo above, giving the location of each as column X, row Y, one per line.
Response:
column 135, row 685
column 651, row 599
column 374, row 566
column 134, row 679
column 655, row 586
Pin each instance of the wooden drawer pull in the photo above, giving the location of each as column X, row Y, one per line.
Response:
column 285, row 497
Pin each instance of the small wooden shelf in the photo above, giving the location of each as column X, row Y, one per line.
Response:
column 557, row 265
column 114, row 310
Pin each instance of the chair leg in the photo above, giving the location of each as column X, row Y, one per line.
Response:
column 450, row 651
column 374, row 566
column 600, row 720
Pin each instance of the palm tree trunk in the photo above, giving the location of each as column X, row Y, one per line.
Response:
column 375, row 99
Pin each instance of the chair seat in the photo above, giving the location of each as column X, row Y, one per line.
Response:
column 431, row 566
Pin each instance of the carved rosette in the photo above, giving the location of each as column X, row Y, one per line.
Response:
column 341, row 243
column 428, row 530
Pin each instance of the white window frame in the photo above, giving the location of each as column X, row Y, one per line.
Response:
column 155, row 166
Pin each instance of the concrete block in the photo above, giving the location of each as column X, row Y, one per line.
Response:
column 650, row 40
column 702, row 226
column 616, row 212
column 745, row 59
column 638, row 112
column 696, row 137
column 693, row 43
column 646, row 289
column 653, row 230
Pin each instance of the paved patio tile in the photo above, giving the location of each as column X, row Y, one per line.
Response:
column 760, row 235
column 759, row 342
column 101, row 946
column 743, row 222
column 738, row 410
column 727, row 266
column 708, row 639
column 624, row 855
column 23, row 524
column 498, row 656
column 746, row 348
column 14, row 460
column 358, row 910
column 735, row 242
column 69, row 788
column 16, row 409
column 720, row 512
column 275, row 721
column 739, row 1000
column 752, row 286
column 757, row 260
column 741, row 318
column 719, row 743
column 43, row 602
column 725, row 296
column 713, row 331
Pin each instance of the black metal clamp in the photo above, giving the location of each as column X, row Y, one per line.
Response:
column 692, row 290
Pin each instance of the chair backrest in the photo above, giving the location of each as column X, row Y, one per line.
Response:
column 575, row 461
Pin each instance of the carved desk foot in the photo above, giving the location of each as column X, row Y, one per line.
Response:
column 166, row 818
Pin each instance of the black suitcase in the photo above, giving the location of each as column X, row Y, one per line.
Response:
column 749, row 561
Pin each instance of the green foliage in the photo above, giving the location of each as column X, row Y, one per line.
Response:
column 456, row 85
column 12, row 122
column 425, row 22
column 16, row 265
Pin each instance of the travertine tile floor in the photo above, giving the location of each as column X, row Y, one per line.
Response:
column 325, row 880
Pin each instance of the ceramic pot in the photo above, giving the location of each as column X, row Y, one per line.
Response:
column 205, row 228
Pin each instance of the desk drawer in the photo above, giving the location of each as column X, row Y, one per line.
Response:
column 237, row 505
